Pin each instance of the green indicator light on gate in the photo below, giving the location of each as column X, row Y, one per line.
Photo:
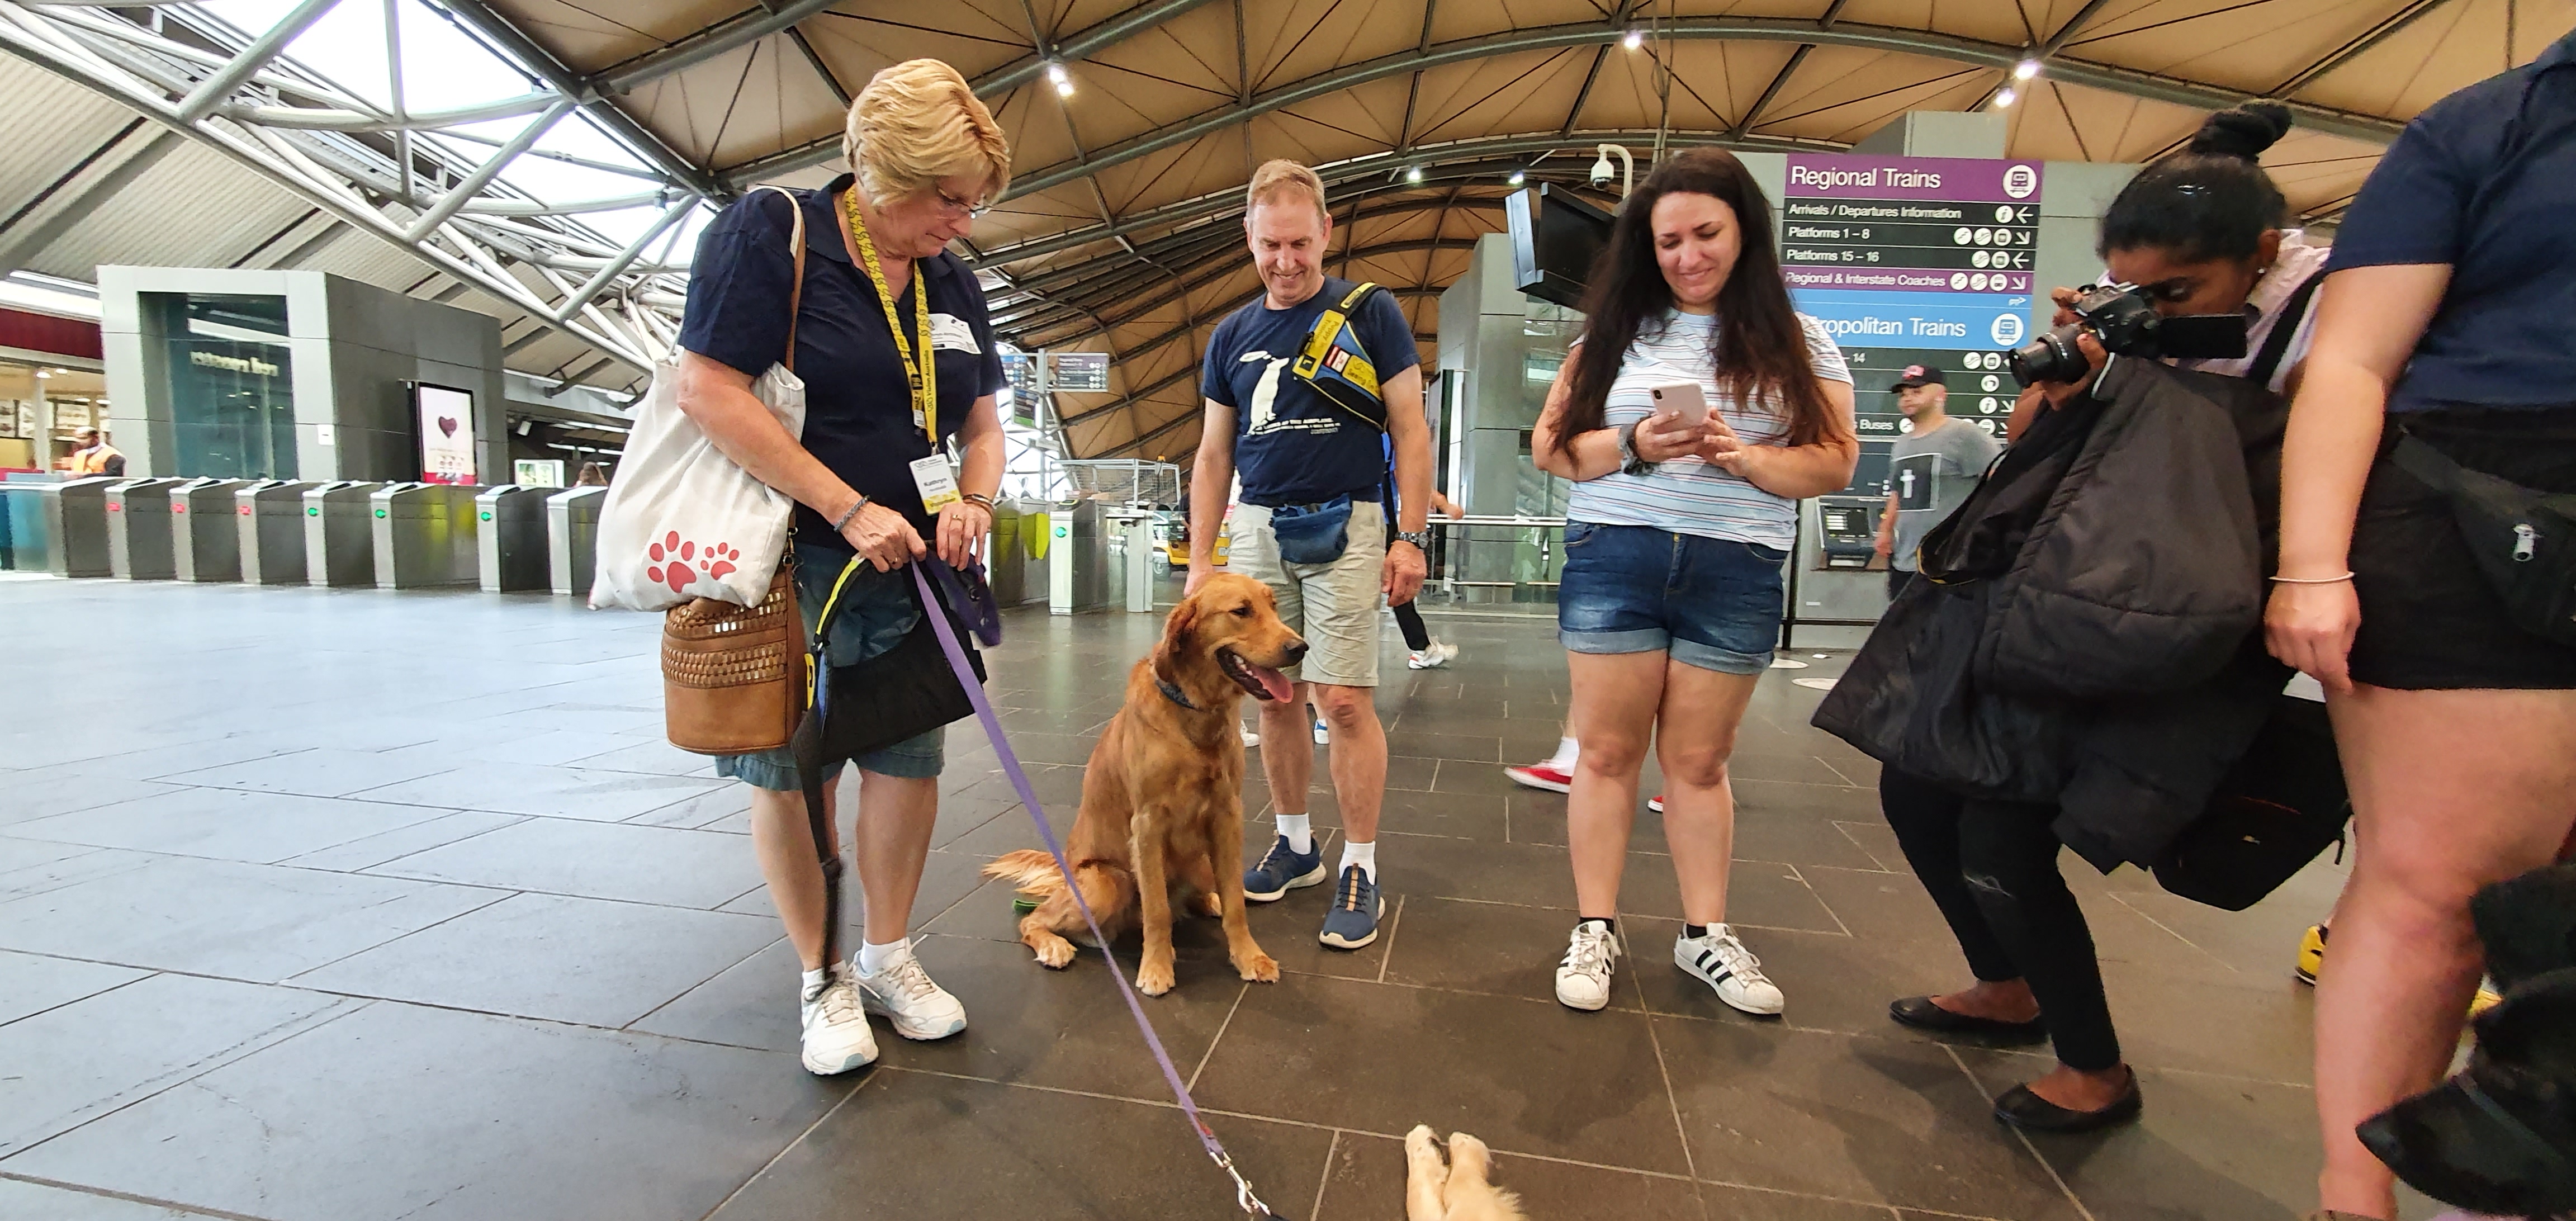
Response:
column 313, row 512
column 380, row 512
column 487, row 517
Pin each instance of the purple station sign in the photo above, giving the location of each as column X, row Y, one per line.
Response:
column 1943, row 179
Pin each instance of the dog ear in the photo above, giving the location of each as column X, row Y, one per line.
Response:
column 1176, row 636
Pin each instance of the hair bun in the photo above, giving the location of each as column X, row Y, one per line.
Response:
column 2242, row 130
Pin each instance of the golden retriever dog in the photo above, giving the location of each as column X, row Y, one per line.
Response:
column 1453, row 1188
column 1162, row 798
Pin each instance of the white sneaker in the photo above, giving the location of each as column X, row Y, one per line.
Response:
column 904, row 994
column 1321, row 738
column 1583, row 978
column 1722, row 962
column 1436, row 655
column 836, row 1036
column 1250, row 739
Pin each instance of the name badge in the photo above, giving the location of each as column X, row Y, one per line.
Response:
column 938, row 484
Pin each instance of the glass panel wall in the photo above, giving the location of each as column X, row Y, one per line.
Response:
column 232, row 396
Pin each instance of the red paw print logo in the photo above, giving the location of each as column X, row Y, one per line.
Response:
column 674, row 562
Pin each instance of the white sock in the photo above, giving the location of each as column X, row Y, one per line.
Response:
column 874, row 958
column 1362, row 855
column 813, row 982
column 1563, row 759
column 1300, row 830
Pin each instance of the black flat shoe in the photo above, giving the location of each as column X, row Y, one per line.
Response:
column 1920, row 1013
column 2032, row 1113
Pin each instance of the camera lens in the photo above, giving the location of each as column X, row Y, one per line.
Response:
column 2052, row 357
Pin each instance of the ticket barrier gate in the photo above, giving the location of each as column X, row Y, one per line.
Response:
column 339, row 541
column 268, row 527
column 1006, row 556
column 572, row 539
column 1077, row 558
column 76, row 520
column 26, row 541
column 138, row 530
column 510, row 551
column 424, row 534
column 205, row 541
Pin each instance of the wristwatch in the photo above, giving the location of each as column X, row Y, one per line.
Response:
column 1421, row 539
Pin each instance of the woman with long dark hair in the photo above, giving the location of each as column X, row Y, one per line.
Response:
column 1675, row 536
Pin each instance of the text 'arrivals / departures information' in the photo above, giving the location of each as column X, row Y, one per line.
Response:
column 1914, row 261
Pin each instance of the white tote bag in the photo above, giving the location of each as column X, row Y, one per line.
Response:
column 681, row 520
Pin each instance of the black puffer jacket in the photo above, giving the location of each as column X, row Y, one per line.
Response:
column 2088, row 632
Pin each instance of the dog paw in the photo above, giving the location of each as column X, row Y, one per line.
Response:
column 1055, row 952
column 1154, row 978
column 1421, row 1143
column 1258, row 967
column 1207, row 905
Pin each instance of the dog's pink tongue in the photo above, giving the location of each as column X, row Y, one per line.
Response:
column 1272, row 681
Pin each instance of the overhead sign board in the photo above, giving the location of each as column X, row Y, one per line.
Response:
column 1914, row 261
column 1078, row 372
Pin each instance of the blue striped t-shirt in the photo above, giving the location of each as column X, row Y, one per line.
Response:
column 1687, row 495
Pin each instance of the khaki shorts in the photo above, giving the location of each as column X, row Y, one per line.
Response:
column 1334, row 606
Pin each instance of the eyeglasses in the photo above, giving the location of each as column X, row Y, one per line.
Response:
column 959, row 207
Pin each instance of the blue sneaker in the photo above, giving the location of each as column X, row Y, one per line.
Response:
column 1352, row 922
column 1282, row 870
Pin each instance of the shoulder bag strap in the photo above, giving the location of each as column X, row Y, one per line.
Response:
column 2285, row 329
column 796, row 287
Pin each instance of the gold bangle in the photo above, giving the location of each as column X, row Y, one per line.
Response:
column 2313, row 580
column 978, row 498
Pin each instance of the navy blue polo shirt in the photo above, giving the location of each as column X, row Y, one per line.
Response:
column 858, row 404
column 2485, row 181
column 1292, row 446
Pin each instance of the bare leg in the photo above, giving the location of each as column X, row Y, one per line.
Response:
column 783, row 839
column 2451, row 790
column 1695, row 735
column 896, row 817
column 1357, row 756
column 1287, row 754
column 1615, row 697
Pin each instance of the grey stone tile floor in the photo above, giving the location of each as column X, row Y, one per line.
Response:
column 341, row 905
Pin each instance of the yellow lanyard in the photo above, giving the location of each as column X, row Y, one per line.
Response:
column 923, row 374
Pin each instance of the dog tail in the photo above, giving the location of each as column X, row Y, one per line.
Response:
column 1029, row 869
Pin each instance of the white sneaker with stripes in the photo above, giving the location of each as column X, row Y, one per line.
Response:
column 1720, row 961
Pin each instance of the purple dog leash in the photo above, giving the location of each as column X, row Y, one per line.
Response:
column 1243, row 1193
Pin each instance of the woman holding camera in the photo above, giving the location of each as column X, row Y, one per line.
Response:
column 2444, row 325
column 896, row 351
column 2198, row 233
column 1670, row 601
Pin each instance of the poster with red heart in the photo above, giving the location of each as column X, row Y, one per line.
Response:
column 446, row 430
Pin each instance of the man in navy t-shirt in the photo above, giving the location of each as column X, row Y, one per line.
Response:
column 1300, row 454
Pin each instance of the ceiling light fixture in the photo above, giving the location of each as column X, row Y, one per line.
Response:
column 2005, row 97
column 1062, row 80
column 2026, row 69
column 1633, row 39
column 1413, row 174
column 1518, row 177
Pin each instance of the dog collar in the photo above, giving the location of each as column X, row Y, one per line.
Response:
column 1172, row 691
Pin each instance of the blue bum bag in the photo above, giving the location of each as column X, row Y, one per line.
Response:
column 1312, row 534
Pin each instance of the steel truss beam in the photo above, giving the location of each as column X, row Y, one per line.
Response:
column 232, row 92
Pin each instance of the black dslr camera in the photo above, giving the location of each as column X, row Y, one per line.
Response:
column 2125, row 320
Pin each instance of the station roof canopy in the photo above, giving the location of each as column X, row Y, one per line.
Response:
column 1119, row 233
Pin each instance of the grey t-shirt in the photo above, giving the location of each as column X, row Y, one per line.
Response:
column 1930, row 473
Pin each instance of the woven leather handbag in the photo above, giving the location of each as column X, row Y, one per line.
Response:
column 731, row 675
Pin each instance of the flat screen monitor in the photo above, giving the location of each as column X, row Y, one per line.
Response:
column 444, row 416
column 1554, row 239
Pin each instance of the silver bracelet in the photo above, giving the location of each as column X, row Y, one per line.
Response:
column 844, row 522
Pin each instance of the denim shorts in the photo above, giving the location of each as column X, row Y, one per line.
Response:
column 1709, row 602
column 876, row 612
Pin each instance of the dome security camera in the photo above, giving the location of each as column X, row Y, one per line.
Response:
column 1603, row 172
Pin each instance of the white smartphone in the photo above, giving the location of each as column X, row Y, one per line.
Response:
column 1683, row 400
